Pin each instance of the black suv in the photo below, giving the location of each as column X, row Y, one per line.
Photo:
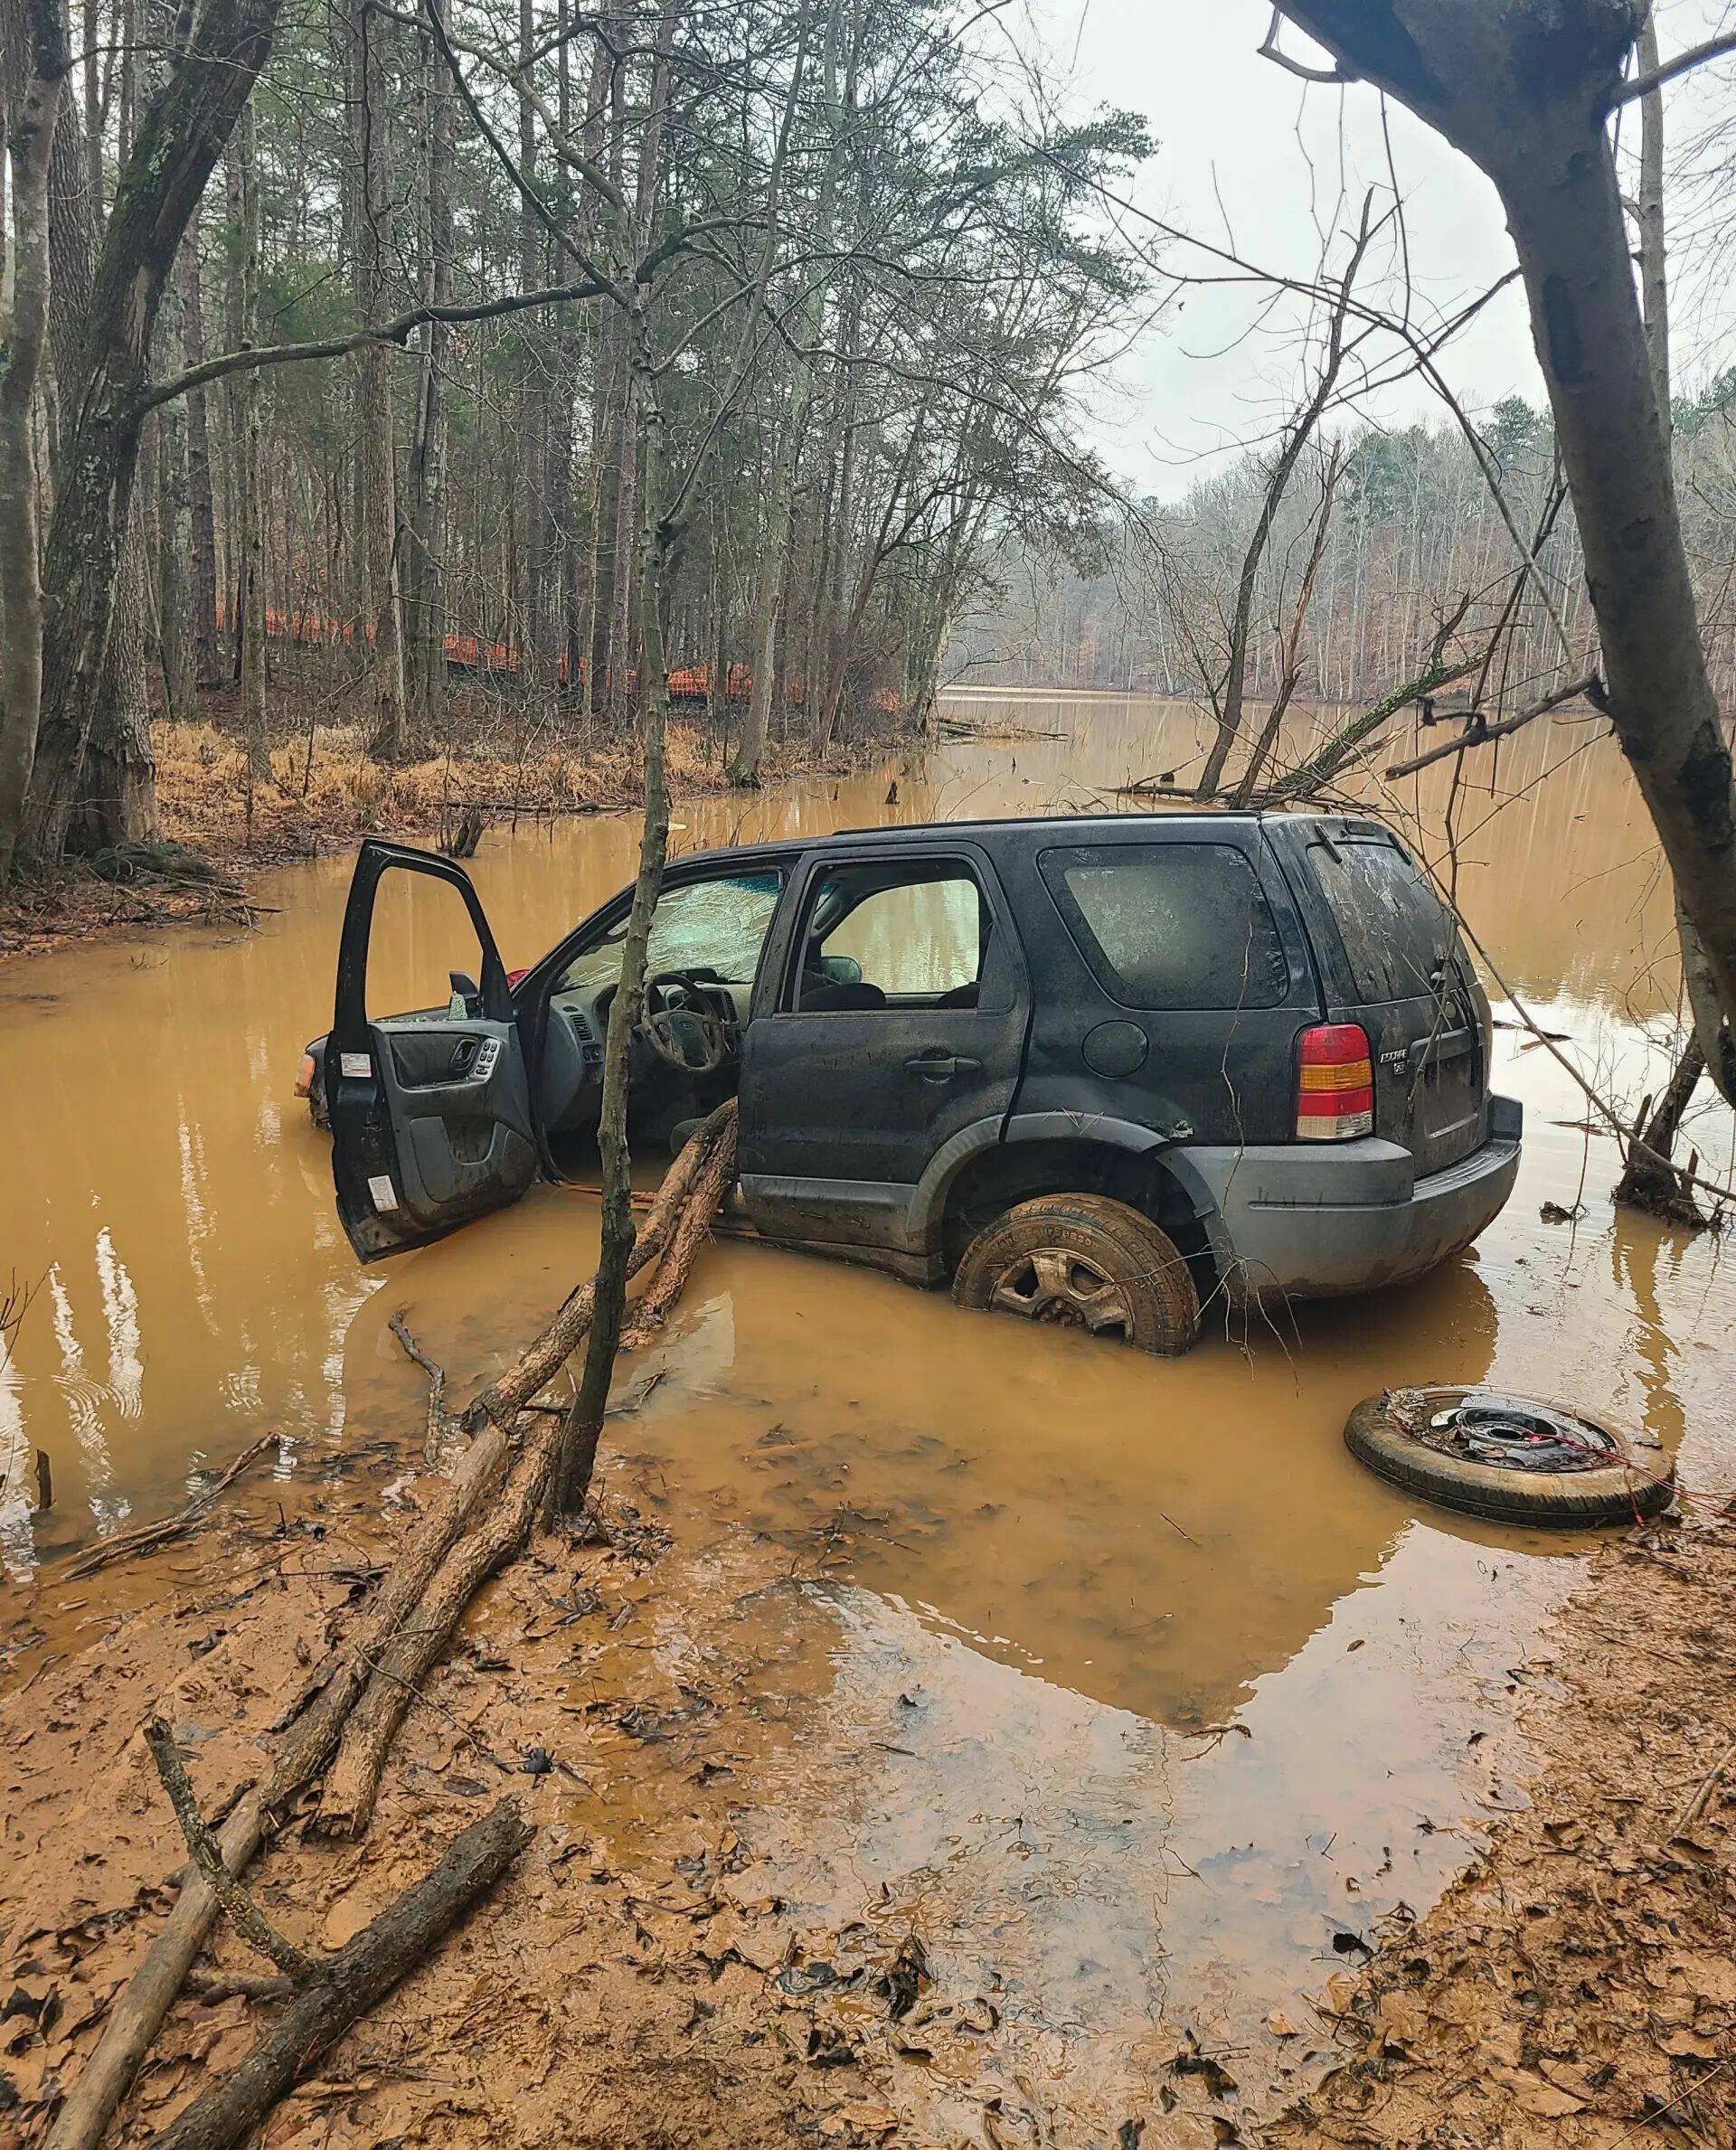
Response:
column 1093, row 1072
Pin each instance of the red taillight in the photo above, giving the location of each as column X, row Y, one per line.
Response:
column 513, row 976
column 1335, row 1083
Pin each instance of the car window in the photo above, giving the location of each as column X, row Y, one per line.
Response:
column 876, row 933
column 718, row 924
column 1397, row 933
column 1170, row 925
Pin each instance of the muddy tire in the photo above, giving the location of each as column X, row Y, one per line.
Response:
column 1386, row 1434
column 1082, row 1261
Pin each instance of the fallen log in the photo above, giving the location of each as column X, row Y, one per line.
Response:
column 409, row 1586
column 507, row 1395
column 350, row 1982
column 137, row 2014
column 715, row 1176
column 352, row 1781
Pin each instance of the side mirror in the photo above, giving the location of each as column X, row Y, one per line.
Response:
column 467, row 995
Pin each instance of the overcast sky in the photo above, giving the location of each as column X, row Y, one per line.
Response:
column 1247, row 152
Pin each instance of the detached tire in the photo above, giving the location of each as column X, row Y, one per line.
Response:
column 1434, row 1442
column 1081, row 1262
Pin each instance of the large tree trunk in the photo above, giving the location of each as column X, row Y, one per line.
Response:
column 202, row 507
column 425, row 547
column 247, row 389
column 24, row 338
column 179, row 138
column 1524, row 91
column 389, row 737
column 116, row 800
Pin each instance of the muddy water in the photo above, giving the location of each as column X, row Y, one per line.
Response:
column 1123, row 1681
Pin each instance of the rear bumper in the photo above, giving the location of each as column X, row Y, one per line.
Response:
column 1296, row 1220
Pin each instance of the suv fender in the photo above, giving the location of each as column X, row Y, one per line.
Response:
column 1031, row 1130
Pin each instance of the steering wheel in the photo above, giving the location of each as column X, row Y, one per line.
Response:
column 681, row 1025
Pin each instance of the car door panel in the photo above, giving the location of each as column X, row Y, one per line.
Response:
column 842, row 1109
column 431, row 1121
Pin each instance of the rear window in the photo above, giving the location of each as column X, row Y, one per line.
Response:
column 1170, row 925
column 1396, row 932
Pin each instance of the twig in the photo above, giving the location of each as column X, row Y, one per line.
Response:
column 1697, row 1806
column 1477, row 731
column 244, row 1915
column 239, row 1985
column 150, row 1535
column 436, row 1372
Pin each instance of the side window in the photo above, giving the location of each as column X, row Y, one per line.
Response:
column 881, row 934
column 420, row 934
column 717, row 926
column 1183, row 925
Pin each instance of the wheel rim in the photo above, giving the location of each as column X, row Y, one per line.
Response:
column 1509, row 1433
column 1054, row 1284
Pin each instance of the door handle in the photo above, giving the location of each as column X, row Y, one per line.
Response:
column 941, row 1067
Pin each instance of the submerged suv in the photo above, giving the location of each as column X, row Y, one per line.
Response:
column 1092, row 1071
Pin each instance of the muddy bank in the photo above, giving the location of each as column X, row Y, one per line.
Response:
column 675, row 1960
column 647, row 1973
column 330, row 793
column 1577, row 1988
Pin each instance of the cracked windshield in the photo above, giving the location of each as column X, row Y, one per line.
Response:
column 868, row 1043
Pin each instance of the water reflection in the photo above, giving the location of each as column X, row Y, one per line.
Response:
column 198, row 1288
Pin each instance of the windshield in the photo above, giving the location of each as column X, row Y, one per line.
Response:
column 720, row 926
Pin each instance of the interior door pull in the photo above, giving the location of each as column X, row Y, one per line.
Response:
column 941, row 1067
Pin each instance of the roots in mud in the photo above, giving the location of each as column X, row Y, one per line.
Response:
column 1650, row 1180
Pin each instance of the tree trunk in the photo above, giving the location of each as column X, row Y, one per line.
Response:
column 1654, row 253
column 1524, row 91
column 377, row 505
column 250, row 584
column 24, row 337
column 425, row 549
column 118, row 786
column 577, row 1455
column 180, row 137
column 202, row 511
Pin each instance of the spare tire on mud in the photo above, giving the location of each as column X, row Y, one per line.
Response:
column 1507, row 1458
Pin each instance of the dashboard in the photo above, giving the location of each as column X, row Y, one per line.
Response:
column 571, row 1078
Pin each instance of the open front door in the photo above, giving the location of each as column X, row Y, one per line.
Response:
column 430, row 1112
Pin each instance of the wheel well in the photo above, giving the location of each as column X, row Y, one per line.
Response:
column 996, row 1179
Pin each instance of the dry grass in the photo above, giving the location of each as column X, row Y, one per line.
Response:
column 328, row 792
column 334, row 793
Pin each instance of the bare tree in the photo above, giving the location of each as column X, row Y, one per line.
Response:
column 1525, row 91
column 24, row 338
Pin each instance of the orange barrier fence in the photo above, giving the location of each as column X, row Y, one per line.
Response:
column 470, row 652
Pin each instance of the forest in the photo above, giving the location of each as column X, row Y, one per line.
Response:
column 1046, row 1454
column 396, row 375
column 1412, row 526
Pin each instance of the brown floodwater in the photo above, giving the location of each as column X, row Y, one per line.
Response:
column 1123, row 1677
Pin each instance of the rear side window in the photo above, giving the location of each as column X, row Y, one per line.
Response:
column 1396, row 932
column 1170, row 925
